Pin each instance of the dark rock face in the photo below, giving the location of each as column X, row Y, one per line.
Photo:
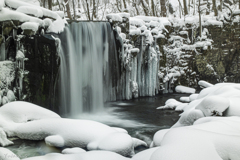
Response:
column 43, row 64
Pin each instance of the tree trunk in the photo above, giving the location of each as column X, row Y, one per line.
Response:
column 163, row 8
column 153, row 8
column 88, row 12
column 145, row 7
column 68, row 9
column 221, row 5
column 215, row 8
column 185, row 7
column 50, row 4
column 74, row 9
column 200, row 19
column 124, row 4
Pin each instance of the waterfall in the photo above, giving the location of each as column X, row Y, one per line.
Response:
column 86, row 78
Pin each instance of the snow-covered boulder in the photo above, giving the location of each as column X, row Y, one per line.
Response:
column 204, row 84
column 211, row 138
column 88, row 134
column 6, row 154
column 91, row 155
column 74, row 150
column 170, row 104
column 184, row 89
column 222, row 98
column 22, row 112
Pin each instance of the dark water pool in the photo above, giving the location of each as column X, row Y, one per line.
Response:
column 138, row 116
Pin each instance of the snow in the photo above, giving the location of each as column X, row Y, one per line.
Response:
column 6, row 154
column 184, row 89
column 170, row 104
column 136, row 22
column 2, row 4
column 135, row 32
column 144, row 155
column 30, row 26
column 192, row 97
column 204, row 84
column 114, row 17
column 60, row 13
column 57, row 26
column 216, row 100
column 24, row 10
column 30, row 10
column 213, row 23
column 147, row 18
column 34, row 2
column 124, row 15
column 74, row 150
column 62, row 132
column 20, row 55
column 91, row 155
column 209, row 138
column 7, row 14
column 185, row 99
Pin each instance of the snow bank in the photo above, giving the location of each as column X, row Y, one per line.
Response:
column 91, row 155
column 183, row 89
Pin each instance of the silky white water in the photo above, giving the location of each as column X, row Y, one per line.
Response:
column 84, row 69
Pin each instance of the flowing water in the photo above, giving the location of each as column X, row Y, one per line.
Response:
column 86, row 75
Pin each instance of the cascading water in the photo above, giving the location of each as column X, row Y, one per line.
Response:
column 86, row 79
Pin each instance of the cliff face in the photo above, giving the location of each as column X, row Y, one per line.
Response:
column 186, row 57
column 28, row 65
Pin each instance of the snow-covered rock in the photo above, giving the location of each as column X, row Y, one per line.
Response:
column 88, row 134
column 222, row 98
column 91, row 155
column 209, row 138
column 114, row 17
column 74, row 150
column 204, row 84
column 170, row 104
column 184, row 89
column 30, row 26
column 6, row 154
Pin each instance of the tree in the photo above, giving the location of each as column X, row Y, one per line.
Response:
column 163, row 8
column 215, row 8
column 185, row 7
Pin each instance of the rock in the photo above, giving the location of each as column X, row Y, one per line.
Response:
column 4, row 100
column 10, row 95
